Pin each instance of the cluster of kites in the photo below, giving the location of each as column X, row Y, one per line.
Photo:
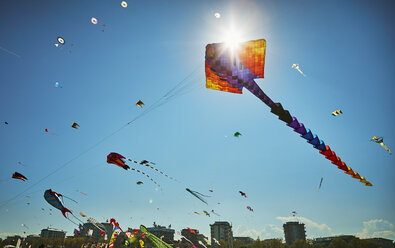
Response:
column 225, row 71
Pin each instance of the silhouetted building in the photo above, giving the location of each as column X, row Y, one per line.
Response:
column 244, row 240
column 381, row 242
column 52, row 233
column 32, row 236
column 294, row 231
column 327, row 240
column 166, row 234
column 221, row 230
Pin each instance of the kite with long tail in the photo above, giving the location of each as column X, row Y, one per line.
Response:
column 53, row 198
column 119, row 160
column 231, row 71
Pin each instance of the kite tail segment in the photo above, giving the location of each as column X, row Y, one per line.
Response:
column 285, row 116
column 66, row 210
column 323, row 149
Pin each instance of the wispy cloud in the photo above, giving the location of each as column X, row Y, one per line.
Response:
column 5, row 235
column 377, row 228
column 268, row 231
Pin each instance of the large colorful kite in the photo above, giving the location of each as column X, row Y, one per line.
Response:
column 231, row 71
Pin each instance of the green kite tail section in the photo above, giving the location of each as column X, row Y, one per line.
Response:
column 155, row 240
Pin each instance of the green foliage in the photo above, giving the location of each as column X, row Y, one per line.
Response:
column 338, row 243
column 300, row 243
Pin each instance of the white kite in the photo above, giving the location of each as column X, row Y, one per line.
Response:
column 296, row 67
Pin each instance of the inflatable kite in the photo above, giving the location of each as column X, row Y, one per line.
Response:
column 53, row 199
column 155, row 240
column 237, row 134
column 18, row 175
column 232, row 71
column 379, row 140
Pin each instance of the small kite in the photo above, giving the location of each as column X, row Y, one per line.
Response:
column 212, row 211
column 319, row 187
column 139, row 182
column 94, row 20
column 296, row 67
column 243, row 194
column 379, row 140
column 18, row 175
column 249, row 208
column 6, row 123
column 211, row 190
column 207, row 241
column 75, row 125
column 115, row 223
column 198, row 195
column 197, row 213
column 25, row 226
column 217, row 15
column 158, row 242
column 237, row 134
column 61, row 41
column 82, row 193
column 191, row 230
column 337, row 112
column 216, row 241
column 231, row 71
column 57, row 85
column 207, row 214
column 294, row 213
column 124, row 4
column 141, row 243
column 140, row 103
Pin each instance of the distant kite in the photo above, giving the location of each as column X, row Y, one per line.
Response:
column 94, row 20
column 140, row 103
column 139, row 182
column 337, row 112
column 237, row 134
column 197, row 195
column 124, row 4
column 217, row 15
column 191, row 230
column 249, row 208
column 379, row 140
column 61, row 41
column 319, row 187
column 18, row 175
column 296, row 67
column 75, row 125
column 57, row 85
column 243, row 194
column 206, row 213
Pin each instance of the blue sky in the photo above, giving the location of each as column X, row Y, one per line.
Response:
column 344, row 47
